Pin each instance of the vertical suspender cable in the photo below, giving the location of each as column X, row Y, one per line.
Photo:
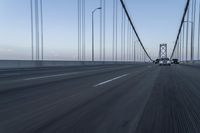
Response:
column 36, row 34
column 133, row 39
column 194, row 26
column 187, row 33
column 122, row 33
column 104, row 30
column 130, row 38
column 129, row 49
column 116, row 29
column 178, row 49
column 131, row 45
column 199, row 33
column 134, row 51
column 124, row 38
column 183, row 45
column 113, row 50
column 192, row 33
column 127, row 41
column 37, row 30
column 180, row 41
column 32, row 36
column 83, row 30
column 42, row 33
column 140, row 54
column 78, row 2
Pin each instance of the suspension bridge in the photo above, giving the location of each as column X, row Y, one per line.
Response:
column 104, row 80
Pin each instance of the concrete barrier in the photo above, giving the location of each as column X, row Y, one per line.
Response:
column 6, row 64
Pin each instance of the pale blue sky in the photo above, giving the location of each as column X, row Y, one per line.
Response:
column 157, row 21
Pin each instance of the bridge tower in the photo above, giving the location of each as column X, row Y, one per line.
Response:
column 163, row 51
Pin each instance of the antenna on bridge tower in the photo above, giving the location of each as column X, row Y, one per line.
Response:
column 163, row 51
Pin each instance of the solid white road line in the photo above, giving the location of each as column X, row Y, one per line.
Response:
column 10, row 74
column 64, row 74
column 51, row 76
column 58, row 75
column 110, row 80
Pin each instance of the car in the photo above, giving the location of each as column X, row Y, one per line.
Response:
column 175, row 61
column 156, row 61
column 165, row 62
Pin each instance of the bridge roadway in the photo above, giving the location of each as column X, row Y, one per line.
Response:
column 101, row 99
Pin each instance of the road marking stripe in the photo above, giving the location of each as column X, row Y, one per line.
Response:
column 58, row 75
column 10, row 74
column 64, row 74
column 110, row 80
column 51, row 76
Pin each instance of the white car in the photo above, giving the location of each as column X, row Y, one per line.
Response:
column 165, row 62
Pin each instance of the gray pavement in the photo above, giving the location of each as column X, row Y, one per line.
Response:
column 142, row 98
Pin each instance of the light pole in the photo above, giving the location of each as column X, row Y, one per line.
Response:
column 101, row 4
column 99, row 8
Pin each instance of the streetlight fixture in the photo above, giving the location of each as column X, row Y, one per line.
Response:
column 99, row 8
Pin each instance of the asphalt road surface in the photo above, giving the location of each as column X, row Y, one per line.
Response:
column 101, row 99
